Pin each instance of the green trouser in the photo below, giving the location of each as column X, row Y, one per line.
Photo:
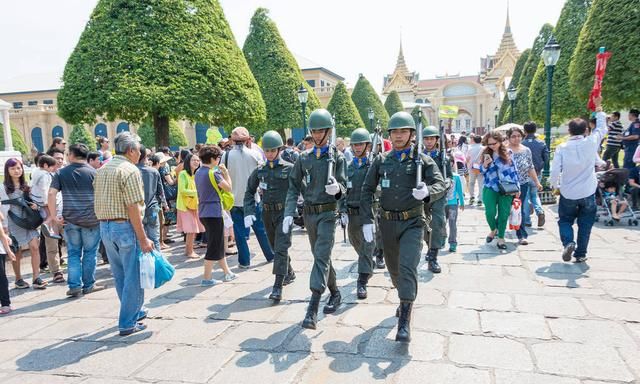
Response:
column 377, row 251
column 402, row 244
column 496, row 210
column 435, row 232
column 363, row 248
column 321, row 229
column 280, row 242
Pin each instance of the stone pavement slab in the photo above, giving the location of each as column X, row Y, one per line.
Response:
column 491, row 352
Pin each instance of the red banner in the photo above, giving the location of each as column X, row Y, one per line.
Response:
column 601, row 67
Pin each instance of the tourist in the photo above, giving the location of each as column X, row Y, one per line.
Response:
column 118, row 205
column 289, row 153
column 103, row 145
column 154, row 200
column 59, row 143
column 187, row 204
column 455, row 204
column 614, row 140
column 94, row 159
column 474, row 162
column 631, row 138
column 5, row 253
column 182, row 155
column 540, row 156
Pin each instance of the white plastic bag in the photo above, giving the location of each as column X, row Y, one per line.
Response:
column 515, row 217
column 226, row 220
column 147, row 271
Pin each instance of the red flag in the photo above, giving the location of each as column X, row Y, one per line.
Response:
column 601, row 67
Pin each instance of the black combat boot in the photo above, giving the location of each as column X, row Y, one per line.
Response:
column 289, row 278
column 404, row 322
column 333, row 303
column 379, row 259
column 276, row 292
column 432, row 258
column 311, row 318
column 363, row 278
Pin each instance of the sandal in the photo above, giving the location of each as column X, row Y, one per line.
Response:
column 58, row 278
column 502, row 246
column 193, row 256
column 38, row 283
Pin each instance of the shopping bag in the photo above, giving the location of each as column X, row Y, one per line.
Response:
column 164, row 271
column 147, row 270
column 515, row 217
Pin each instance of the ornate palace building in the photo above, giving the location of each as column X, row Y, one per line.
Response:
column 478, row 97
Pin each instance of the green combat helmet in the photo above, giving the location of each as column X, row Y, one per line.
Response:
column 271, row 140
column 320, row 119
column 360, row 135
column 430, row 131
column 401, row 120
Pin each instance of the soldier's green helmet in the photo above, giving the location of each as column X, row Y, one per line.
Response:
column 360, row 135
column 320, row 119
column 430, row 131
column 401, row 120
column 271, row 140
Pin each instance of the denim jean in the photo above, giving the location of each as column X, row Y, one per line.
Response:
column 532, row 198
column 82, row 250
column 584, row 212
column 241, row 234
column 123, row 251
column 151, row 225
column 628, row 162
column 524, row 194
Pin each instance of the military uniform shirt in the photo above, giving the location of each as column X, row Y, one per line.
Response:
column 272, row 182
column 355, row 178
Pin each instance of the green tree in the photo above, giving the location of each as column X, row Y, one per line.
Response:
column 565, row 103
column 177, row 137
column 612, row 24
column 80, row 135
column 365, row 97
column 16, row 138
column 521, row 113
column 277, row 73
column 160, row 60
column 346, row 114
column 414, row 113
column 393, row 103
column 505, row 109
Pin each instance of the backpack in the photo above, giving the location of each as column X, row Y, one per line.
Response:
column 29, row 219
column 226, row 198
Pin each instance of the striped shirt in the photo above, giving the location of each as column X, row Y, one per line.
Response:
column 614, row 138
column 75, row 182
column 118, row 185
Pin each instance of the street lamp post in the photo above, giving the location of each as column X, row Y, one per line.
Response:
column 512, row 93
column 550, row 56
column 371, row 116
column 303, row 96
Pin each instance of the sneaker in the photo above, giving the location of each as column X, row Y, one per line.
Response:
column 208, row 283
column 541, row 219
column 229, row 277
column 568, row 251
column 479, row 203
column 74, row 292
column 38, row 283
column 21, row 284
column 580, row 259
column 138, row 327
column 5, row 310
column 523, row 242
column 48, row 232
column 93, row 288
column 453, row 247
column 241, row 266
column 142, row 314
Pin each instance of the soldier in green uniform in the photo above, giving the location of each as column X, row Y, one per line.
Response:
column 435, row 232
column 351, row 214
column 272, row 180
column 401, row 209
column 321, row 193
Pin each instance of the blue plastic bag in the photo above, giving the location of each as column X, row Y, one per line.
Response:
column 164, row 271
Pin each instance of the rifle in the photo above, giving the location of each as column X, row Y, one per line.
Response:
column 332, row 151
column 377, row 136
column 443, row 152
column 419, row 149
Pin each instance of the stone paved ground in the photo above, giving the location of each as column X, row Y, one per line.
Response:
column 518, row 317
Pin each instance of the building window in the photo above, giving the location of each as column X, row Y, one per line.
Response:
column 17, row 105
column 312, row 83
column 328, row 84
column 419, row 101
column 47, row 102
column 32, row 103
column 468, row 124
column 457, row 124
column 322, row 83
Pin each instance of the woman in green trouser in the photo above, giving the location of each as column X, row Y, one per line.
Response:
column 497, row 167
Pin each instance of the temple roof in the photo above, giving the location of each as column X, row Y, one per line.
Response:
column 507, row 44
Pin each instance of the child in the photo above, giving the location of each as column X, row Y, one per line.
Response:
column 611, row 198
column 5, row 251
column 455, row 199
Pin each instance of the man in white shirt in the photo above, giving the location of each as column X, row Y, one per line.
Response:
column 241, row 160
column 573, row 173
column 473, row 165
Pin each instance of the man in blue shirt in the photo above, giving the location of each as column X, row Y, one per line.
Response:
column 630, row 139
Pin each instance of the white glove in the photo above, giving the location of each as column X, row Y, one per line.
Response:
column 249, row 220
column 367, row 231
column 344, row 219
column 421, row 192
column 287, row 222
column 332, row 188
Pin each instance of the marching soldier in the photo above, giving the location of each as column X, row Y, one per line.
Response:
column 272, row 179
column 356, row 172
column 401, row 209
column 312, row 176
column 435, row 232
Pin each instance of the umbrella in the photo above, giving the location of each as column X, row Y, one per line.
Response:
column 506, row 127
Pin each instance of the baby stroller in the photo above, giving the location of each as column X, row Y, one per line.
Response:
column 614, row 178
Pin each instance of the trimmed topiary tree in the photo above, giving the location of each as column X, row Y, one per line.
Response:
column 521, row 113
column 505, row 109
column 177, row 137
column 79, row 134
column 414, row 113
column 613, row 24
column 160, row 60
column 566, row 104
column 18, row 142
column 393, row 103
column 345, row 111
column 365, row 97
column 277, row 74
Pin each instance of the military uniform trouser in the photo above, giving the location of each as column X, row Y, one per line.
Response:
column 378, row 248
column 402, row 245
column 321, row 229
column 363, row 248
column 435, row 231
column 280, row 242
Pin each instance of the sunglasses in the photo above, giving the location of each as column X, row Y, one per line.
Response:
column 492, row 144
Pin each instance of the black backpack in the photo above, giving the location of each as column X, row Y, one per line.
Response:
column 30, row 218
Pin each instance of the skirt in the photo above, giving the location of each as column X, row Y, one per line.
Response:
column 188, row 222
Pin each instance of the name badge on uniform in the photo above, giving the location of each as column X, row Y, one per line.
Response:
column 263, row 185
column 349, row 184
column 386, row 183
column 307, row 178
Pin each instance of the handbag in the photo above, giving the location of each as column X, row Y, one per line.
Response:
column 164, row 270
column 29, row 219
column 507, row 187
column 226, row 198
column 191, row 202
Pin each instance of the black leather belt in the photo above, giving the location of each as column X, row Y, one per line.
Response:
column 353, row 211
column 272, row 207
column 319, row 208
column 402, row 215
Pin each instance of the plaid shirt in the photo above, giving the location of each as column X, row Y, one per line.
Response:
column 508, row 172
column 117, row 185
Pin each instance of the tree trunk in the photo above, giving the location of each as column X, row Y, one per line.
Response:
column 161, row 126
